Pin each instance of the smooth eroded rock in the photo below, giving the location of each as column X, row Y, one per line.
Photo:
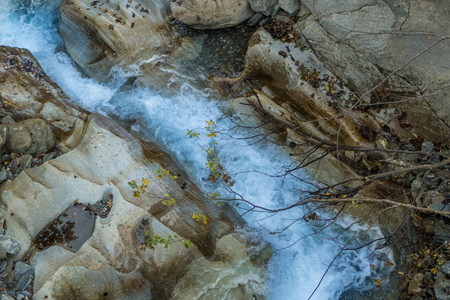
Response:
column 363, row 42
column 30, row 136
column 105, row 160
column 114, row 33
column 208, row 14
column 28, row 93
column 100, row 158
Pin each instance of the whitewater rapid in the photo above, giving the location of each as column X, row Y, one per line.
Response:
column 292, row 273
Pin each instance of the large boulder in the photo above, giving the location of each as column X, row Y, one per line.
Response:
column 207, row 14
column 100, row 35
column 290, row 92
column 277, row 66
column 31, row 136
column 106, row 159
column 364, row 42
column 27, row 93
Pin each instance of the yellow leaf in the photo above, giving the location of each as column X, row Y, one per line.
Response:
column 210, row 122
column 145, row 180
column 377, row 282
column 429, row 37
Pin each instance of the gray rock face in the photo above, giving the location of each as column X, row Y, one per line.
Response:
column 441, row 287
column 441, row 231
column 255, row 20
column 25, row 161
column 8, row 120
column 3, row 264
column 427, row 147
column 10, row 245
column 262, row 6
column 207, row 14
column 22, row 269
column 446, row 268
column 30, row 136
column 3, row 175
column 364, row 41
column 290, row 6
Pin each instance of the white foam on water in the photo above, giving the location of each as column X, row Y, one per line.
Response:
column 292, row 273
column 37, row 32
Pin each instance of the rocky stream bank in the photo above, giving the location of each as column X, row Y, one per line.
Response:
column 364, row 86
column 59, row 162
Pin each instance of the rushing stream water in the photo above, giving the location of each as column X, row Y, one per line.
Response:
column 293, row 273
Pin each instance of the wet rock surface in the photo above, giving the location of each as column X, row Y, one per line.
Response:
column 296, row 87
column 49, row 207
column 71, row 229
column 125, row 28
column 300, row 70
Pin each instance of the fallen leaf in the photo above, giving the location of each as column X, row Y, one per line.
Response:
column 377, row 282
column 109, row 203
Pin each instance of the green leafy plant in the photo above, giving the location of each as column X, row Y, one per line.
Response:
column 217, row 172
column 153, row 240
column 200, row 217
column 216, row 169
